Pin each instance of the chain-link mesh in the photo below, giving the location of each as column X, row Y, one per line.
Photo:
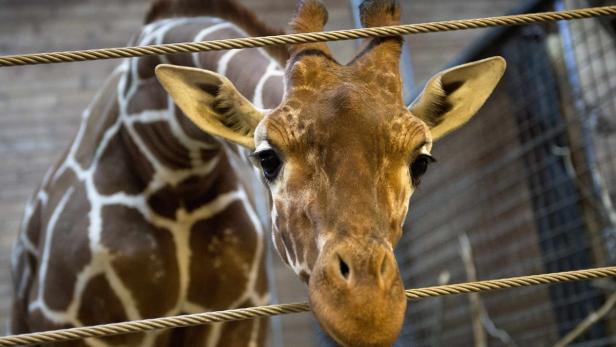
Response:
column 531, row 182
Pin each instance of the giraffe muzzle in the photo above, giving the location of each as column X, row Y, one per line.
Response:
column 357, row 294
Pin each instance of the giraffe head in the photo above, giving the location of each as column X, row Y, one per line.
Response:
column 342, row 155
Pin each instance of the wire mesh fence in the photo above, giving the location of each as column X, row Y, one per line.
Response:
column 530, row 182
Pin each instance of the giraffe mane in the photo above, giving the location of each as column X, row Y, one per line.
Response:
column 229, row 10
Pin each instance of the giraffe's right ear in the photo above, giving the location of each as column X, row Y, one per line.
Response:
column 211, row 101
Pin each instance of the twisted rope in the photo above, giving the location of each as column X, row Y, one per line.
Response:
column 270, row 310
column 290, row 39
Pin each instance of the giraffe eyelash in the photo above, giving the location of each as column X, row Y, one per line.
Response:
column 419, row 167
column 270, row 162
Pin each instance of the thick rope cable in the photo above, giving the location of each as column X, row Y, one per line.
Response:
column 270, row 310
column 290, row 39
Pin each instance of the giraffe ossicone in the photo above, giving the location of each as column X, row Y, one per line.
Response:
column 153, row 209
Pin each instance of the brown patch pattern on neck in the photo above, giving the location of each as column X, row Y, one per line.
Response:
column 137, row 199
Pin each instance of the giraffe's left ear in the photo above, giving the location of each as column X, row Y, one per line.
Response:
column 453, row 96
column 211, row 101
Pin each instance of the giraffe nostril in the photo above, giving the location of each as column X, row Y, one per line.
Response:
column 383, row 266
column 344, row 268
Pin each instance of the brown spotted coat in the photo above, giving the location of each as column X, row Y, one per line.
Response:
column 145, row 215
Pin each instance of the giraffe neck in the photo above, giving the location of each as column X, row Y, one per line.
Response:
column 162, row 141
column 150, row 115
column 138, row 171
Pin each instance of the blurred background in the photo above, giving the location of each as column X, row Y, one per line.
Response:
column 527, row 187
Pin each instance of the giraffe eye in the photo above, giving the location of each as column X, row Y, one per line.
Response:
column 270, row 163
column 420, row 166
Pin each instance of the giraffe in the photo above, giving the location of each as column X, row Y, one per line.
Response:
column 341, row 155
column 335, row 146
column 144, row 215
